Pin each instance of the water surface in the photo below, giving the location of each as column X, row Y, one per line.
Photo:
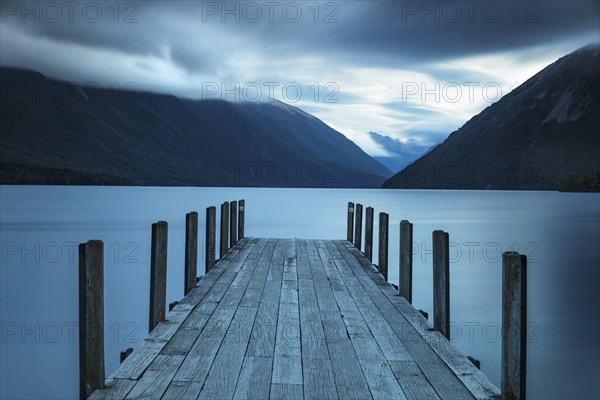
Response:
column 40, row 227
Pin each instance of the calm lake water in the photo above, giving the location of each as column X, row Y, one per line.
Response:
column 40, row 227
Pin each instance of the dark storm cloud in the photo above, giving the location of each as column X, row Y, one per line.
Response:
column 366, row 32
column 369, row 48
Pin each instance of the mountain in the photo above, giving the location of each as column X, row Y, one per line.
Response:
column 55, row 132
column 401, row 153
column 540, row 136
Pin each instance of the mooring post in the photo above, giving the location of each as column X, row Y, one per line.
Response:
column 91, row 317
column 241, row 219
column 441, row 283
column 384, row 220
column 350, row 234
column 233, row 224
column 358, row 227
column 224, row 245
column 514, row 325
column 124, row 354
column 191, row 251
column 369, row 234
column 211, row 239
column 406, row 260
column 158, row 274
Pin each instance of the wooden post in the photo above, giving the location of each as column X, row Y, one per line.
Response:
column 125, row 353
column 91, row 317
column 191, row 251
column 233, row 223
column 383, row 244
column 241, row 219
column 211, row 238
column 358, row 227
column 441, row 283
column 514, row 325
column 369, row 234
column 406, row 260
column 224, row 245
column 158, row 274
column 350, row 227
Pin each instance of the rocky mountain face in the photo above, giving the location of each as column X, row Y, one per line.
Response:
column 540, row 136
column 56, row 132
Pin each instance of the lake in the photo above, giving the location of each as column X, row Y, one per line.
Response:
column 41, row 226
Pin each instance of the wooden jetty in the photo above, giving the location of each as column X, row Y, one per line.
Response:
column 297, row 319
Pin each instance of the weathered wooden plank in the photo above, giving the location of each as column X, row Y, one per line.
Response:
column 442, row 378
column 337, row 330
column 302, row 262
column 137, row 362
column 225, row 370
column 180, row 390
column 113, row 389
column 262, row 342
column 313, row 336
column 197, row 364
column 318, row 379
column 287, row 362
column 157, row 377
column 287, row 391
column 412, row 380
column 198, row 293
column 389, row 343
column 477, row 383
column 349, row 379
column 382, row 382
column 255, row 378
column 365, row 345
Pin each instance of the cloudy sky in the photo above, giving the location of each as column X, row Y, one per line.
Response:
column 413, row 70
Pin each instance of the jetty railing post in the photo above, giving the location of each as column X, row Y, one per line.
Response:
column 358, row 227
column 233, row 238
column 91, row 317
column 211, row 239
column 224, row 244
column 369, row 234
column 514, row 325
column 350, row 234
column 384, row 220
column 191, row 251
column 158, row 274
column 406, row 260
column 441, row 283
column 241, row 219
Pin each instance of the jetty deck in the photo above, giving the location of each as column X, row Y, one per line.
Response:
column 297, row 319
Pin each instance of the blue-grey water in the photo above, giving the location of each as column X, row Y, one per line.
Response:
column 40, row 227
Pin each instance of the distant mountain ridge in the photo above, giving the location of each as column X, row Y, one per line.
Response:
column 401, row 154
column 544, row 135
column 55, row 132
